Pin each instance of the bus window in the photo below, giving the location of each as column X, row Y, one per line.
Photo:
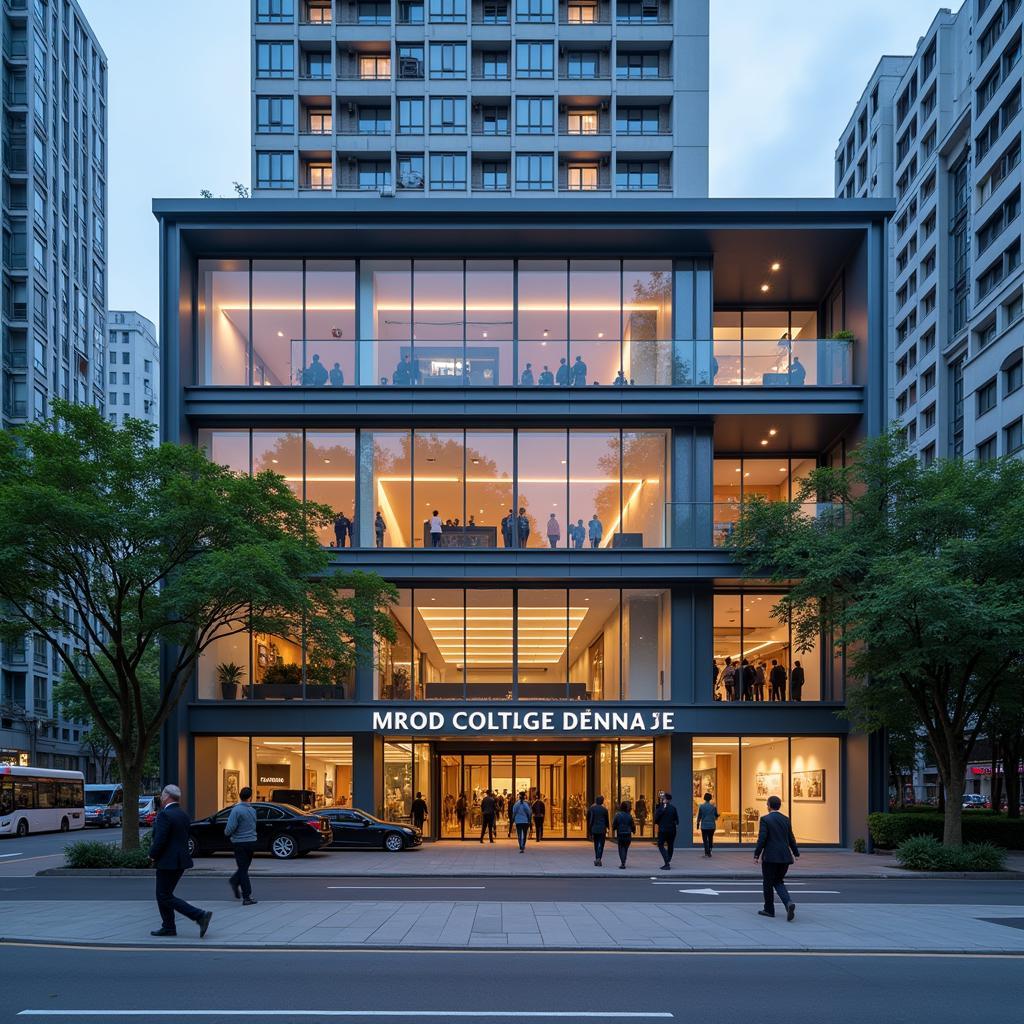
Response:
column 24, row 795
column 6, row 798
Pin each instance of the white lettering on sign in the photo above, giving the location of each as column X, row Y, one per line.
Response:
column 587, row 720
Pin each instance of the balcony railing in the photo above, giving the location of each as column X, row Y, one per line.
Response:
column 701, row 525
column 551, row 363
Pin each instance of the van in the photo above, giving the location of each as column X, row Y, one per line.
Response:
column 104, row 805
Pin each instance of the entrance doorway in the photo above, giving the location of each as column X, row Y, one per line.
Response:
column 561, row 780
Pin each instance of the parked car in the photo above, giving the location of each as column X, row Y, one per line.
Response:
column 355, row 829
column 103, row 805
column 281, row 830
column 974, row 800
column 149, row 808
column 303, row 798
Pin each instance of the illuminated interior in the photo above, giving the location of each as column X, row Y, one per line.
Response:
column 755, row 347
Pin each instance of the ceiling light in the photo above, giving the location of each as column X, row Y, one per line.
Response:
column 600, row 334
column 765, row 441
column 280, row 334
column 274, row 461
column 485, row 334
column 545, row 332
column 765, row 287
column 772, row 432
column 327, row 462
column 776, row 266
column 747, row 473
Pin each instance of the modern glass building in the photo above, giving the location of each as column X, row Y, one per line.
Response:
column 584, row 402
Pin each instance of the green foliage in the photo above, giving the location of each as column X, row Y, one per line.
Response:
column 926, row 853
column 889, row 830
column 843, row 335
column 916, row 573
column 859, row 846
column 95, row 854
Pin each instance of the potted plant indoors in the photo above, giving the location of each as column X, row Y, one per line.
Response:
column 230, row 676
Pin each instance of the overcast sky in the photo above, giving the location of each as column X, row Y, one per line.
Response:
column 785, row 75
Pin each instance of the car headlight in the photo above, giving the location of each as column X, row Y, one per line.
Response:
column 409, row 831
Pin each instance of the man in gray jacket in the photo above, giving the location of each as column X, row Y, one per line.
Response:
column 241, row 830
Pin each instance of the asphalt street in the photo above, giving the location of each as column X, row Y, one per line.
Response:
column 605, row 887
column 501, row 987
column 46, row 850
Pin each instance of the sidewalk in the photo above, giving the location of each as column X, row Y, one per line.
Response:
column 561, row 859
column 723, row 927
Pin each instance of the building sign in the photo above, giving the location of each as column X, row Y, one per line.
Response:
column 505, row 723
column 279, row 775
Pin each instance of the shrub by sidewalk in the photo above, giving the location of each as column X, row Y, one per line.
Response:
column 91, row 853
column 926, row 853
column 890, row 829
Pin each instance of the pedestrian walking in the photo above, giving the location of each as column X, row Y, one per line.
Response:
column 169, row 853
column 623, row 828
column 597, row 827
column 642, row 813
column 776, row 848
column 666, row 820
column 522, row 814
column 539, row 813
column 707, row 822
column 488, row 809
column 241, row 830
column 419, row 811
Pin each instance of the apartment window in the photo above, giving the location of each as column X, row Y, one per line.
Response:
column 494, row 121
column 928, row 144
column 997, row 271
column 987, row 449
column 582, row 12
column 1000, row 170
column 374, row 121
column 928, row 418
column 988, row 397
column 448, row 115
column 375, row 67
column 637, row 175
column 317, row 12
column 374, row 12
column 928, row 60
column 928, row 103
column 1007, row 213
column 535, row 60
column 274, row 12
column 447, row 60
column 582, row 122
column 410, row 60
column 990, row 36
column 906, row 100
column 374, row 175
column 275, row 115
column 1013, row 309
column 1013, row 377
column 637, row 65
column 956, row 421
column 583, row 64
column 494, row 176
column 985, row 335
column 1013, row 440
column 928, row 265
column 495, row 12
column 927, row 380
column 410, row 12
column 113, row 377
column 928, row 455
column 637, row 121
column 535, row 115
column 448, row 171
column 536, row 11
column 449, row 11
column 275, row 60
column 928, row 303
column 411, row 170
column 494, row 67
column 410, row 115
column 998, row 123
column 582, row 177
column 319, row 176
column 319, row 122
column 112, row 397
column 905, row 141
column 126, row 378
column 275, row 170
column 535, row 172
column 318, row 66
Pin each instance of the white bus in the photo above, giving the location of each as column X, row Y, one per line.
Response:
column 40, row 800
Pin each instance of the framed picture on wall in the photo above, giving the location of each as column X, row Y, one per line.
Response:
column 705, row 781
column 262, row 655
column 232, row 784
column 768, row 784
column 809, row 787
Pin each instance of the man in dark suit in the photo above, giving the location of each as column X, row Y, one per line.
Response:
column 488, row 812
column 169, row 852
column 776, row 849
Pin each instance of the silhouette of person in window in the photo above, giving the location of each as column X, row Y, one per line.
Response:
column 314, row 375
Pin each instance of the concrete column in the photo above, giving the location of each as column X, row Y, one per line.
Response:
column 367, row 771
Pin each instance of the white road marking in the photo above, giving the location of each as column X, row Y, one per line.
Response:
column 758, row 892
column 12, row 854
column 389, row 887
column 405, row 1014
column 700, row 881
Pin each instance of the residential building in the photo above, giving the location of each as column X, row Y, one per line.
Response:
column 581, row 401
column 53, row 152
column 497, row 98
column 133, row 368
column 940, row 133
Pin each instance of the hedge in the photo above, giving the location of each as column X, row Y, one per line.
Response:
column 889, row 829
column 97, row 854
column 926, row 853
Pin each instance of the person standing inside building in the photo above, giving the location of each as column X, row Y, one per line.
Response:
column 666, row 820
column 342, row 529
column 487, row 812
column 554, row 531
column 748, row 676
column 595, row 531
column 436, row 529
column 777, row 681
column 796, row 681
column 642, row 812
column 707, row 822
column 523, row 527
column 760, row 679
column 461, row 807
column 729, row 679
column 241, row 830
column 337, row 376
column 508, row 527
column 526, row 379
column 623, row 828
column 597, row 827
column 169, row 853
column 579, row 373
column 419, row 811
column 379, row 529
column 539, row 812
column 562, row 374
column 776, row 848
column 522, row 814
column 546, row 379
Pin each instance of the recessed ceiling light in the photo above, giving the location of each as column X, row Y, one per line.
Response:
column 274, row 461
column 485, row 334
column 776, row 266
column 600, row 334
column 280, row 334
column 765, row 287
column 772, row 432
column 747, row 473
column 737, row 469
column 765, row 441
column 782, row 469
column 327, row 462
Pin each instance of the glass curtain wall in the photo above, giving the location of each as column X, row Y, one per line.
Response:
column 772, row 347
column 741, row 772
column 527, row 644
column 755, row 657
column 406, row 773
column 738, row 478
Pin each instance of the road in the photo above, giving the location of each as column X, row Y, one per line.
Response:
column 501, row 987
column 607, row 889
column 46, row 850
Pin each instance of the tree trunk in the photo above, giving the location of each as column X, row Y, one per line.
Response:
column 1012, row 753
column 130, row 785
column 952, row 827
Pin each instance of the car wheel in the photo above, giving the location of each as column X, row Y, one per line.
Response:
column 193, row 849
column 284, row 847
column 393, row 842
column 65, row 825
column 22, row 829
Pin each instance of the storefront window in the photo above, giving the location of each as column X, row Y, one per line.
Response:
column 646, row 457
column 277, row 771
column 224, row 666
column 221, row 771
column 542, row 327
column 276, row 667
column 543, row 622
column 489, row 644
column 764, row 773
column 223, row 322
column 594, row 485
column 814, row 789
column 594, row 321
column 388, row 489
column 543, row 487
column 438, row 484
column 328, row 770
column 398, row 782
column 396, row 665
column 716, row 770
column 645, row 647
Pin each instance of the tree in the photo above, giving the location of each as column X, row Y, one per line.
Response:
column 916, row 572
column 111, row 547
column 1006, row 734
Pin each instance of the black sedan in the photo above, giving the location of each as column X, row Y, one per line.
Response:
column 354, row 829
column 282, row 830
